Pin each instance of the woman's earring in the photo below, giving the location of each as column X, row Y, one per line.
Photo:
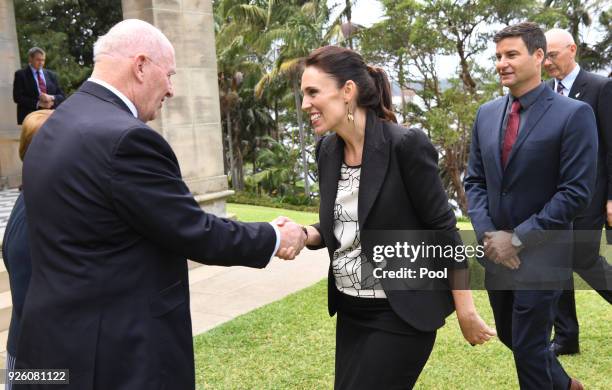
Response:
column 349, row 115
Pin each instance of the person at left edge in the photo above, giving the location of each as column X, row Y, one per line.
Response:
column 16, row 247
column 35, row 87
column 111, row 225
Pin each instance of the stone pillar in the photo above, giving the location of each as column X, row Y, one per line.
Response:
column 10, row 164
column 191, row 121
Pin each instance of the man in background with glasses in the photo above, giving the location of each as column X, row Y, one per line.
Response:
column 568, row 79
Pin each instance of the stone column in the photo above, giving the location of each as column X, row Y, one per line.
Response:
column 190, row 121
column 10, row 164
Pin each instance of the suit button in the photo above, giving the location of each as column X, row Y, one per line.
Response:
column 504, row 193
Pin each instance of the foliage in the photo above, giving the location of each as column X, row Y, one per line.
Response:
column 66, row 30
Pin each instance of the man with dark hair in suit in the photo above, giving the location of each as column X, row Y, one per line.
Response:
column 34, row 87
column 531, row 171
column 568, row 79
column 112, row 223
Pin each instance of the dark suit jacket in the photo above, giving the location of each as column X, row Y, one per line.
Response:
column 16, row 256
column 549, row 179
column 596, row 91
column 111, row 225
column 399, row 189
column 25, row 92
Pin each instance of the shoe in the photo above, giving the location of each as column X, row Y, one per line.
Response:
column 564, row 349
column 575, row 384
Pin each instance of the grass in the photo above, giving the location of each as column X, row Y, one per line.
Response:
column 249, row 213
column 289, row 344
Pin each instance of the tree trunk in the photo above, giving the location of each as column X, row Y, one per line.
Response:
column 349, row 18
column 401, row 79
column 276, row 134
column 454, row 172
column 298, row 111
column 230, row 143
column 466, row 77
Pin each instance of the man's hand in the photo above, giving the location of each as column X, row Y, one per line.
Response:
column 609, row 212
column 293, row 238
column 45, row 101
column 499, row 249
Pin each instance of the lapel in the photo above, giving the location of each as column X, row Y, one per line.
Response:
column 498, row 117
column 48, row 81
column 374, row 163
column 105, row 94
column 330, row 161
column 540, row 106
column 31, row 81
column 577, row 91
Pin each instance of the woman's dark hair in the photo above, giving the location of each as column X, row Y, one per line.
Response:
column 372, row 82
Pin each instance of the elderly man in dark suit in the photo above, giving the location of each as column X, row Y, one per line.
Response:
column 34, row 87
column 568, row 79
column 111, row 225
column 531, row 171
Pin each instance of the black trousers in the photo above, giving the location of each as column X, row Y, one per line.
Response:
column 593, row 268
column 375, row 349
column 524, row 320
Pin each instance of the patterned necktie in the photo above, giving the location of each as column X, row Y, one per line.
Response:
column 511, row 131
column 41, row 83
column 560, row 87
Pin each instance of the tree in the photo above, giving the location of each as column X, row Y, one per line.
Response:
column 303, row 31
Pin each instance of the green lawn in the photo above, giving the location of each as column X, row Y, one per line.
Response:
column 289, row 344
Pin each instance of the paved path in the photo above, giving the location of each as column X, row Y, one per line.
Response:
column 7, row 200
column 219, row 294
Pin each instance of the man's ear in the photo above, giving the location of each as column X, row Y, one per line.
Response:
column 138, row 66
column 539, row 55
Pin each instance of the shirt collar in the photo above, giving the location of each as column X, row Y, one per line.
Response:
column 530, row 97
column 114, row 90
column 568, row 81
column 34, row 70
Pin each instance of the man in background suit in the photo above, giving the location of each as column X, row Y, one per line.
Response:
column 569, row 80
column 34, row 87
column 531, row 170
column 111, row 225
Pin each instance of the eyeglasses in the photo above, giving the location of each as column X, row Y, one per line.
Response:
column 168, row 75
column 553, row 55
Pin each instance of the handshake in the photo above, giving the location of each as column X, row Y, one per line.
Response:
column 293, row 238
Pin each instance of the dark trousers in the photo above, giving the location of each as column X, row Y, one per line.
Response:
column 373, row 358
column 593, row 268
column 524, row 320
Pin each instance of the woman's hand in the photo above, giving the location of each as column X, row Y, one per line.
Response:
column 474, row 329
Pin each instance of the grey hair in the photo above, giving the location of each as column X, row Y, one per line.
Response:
column 131, row 37
column 35, row 50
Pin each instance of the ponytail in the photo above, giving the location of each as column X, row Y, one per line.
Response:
column 385, row 105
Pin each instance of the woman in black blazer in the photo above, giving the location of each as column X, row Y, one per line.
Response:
column 376, row 175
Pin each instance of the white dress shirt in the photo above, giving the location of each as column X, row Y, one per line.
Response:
column 568, row 81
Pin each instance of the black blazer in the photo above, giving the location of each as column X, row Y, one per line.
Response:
column 400, row 189
column 111, row 224
column 596, row 91
column 25, row 92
